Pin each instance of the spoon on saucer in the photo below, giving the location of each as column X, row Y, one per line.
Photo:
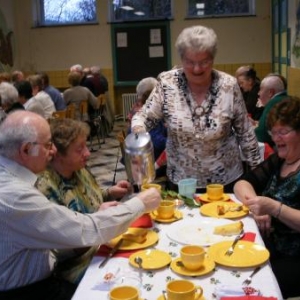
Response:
column 138, row 260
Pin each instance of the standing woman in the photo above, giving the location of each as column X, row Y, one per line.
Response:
column 205, row 115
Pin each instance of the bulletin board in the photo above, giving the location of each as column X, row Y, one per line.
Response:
column 140, row 50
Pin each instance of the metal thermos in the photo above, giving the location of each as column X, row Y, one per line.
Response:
column 139, row 158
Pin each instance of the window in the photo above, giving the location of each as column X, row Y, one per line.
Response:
column 220, row 8
column 66, row 12
column 139, row 10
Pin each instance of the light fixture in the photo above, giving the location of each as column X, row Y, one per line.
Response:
column 126, row 7
column 200, row 5
column 139, row 13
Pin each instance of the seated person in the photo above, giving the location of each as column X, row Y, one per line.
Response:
column 67, row 182
column 9, row 98
column 249, row 84
column 272, row 90
column 159, row 133
column 272, row 193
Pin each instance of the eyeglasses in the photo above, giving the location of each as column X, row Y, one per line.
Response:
column 192, row 64
column 280, row 133
column 47, row 145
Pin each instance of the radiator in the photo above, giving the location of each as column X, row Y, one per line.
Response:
column 128, row 101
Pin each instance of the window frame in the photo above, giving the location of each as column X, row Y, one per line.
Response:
column 251, row 13
column 39, row 17
column 112, row 20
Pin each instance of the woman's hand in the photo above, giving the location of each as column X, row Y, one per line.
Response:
column 263, row 224
column 119, row 190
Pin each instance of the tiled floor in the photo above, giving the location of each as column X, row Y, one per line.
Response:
column 105, row 162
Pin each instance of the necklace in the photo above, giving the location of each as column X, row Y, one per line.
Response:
column 291, row 163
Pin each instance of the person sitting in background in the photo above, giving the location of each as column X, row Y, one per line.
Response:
column 31, row 225
column 17, row 76
column 205, row 116
column 42, row 97
column 272, row 90
column 272, row 193
column 9, row 98
column 26, row 98
column 53, row 92
column 159, row 132
column 77, row 93
column 99, row 80
column 5, row 77
column 249, row 84
column 66, row 181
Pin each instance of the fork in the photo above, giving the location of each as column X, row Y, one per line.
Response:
column 249, row 279
column 231, row 248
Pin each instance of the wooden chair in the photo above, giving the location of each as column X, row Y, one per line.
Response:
column 83, row 109
column 59, row 114
column 70, row 111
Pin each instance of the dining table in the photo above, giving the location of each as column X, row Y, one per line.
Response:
column 221, row 275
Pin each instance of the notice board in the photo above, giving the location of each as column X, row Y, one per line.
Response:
column 140, row 50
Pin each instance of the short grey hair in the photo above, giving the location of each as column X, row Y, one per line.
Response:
column 8, row 94
column 16, row 130
column 95, row 70
column 197, row 39
column 273, row 82
column 145, row 87
column 76, row 68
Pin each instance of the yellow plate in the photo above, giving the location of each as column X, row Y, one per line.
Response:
column 210, row 210
column 204, row 198
column 177, row 216
column 152, row 259
column 208, row 266
column 151, row 239
column 162, row 298
column 246, row 254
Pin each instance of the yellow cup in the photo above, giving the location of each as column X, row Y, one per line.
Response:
column 192, row 257
column 215, row 191
column 147, row 186
column 183, row 290
column 124, row 292
column 166, row 209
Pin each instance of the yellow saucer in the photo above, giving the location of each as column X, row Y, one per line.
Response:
column 152, row 259
column 211, row 210
column 162, row 298
column 246, row 254
column 177, row 216
column 208, row 266
column 151, row 239
column 204, row 198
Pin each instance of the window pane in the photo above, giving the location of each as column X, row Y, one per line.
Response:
column 140, row 10
column 220, row 8
column 55, row 12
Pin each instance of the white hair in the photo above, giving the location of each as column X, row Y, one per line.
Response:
column 197, row 39
column 145, row 87
column 8, row 94
column 76, row 68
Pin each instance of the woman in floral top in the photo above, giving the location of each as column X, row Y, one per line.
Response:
column 67, row 182
column 205, row 115
column 272, row 192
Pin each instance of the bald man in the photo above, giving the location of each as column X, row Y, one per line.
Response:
column 31, row 225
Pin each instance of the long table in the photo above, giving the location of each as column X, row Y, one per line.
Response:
column 152, row 282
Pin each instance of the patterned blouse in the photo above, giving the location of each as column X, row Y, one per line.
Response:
column 82, row 194
column 203, row 141
column 267, row 181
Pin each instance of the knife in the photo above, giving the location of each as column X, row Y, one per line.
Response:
column 111, row 253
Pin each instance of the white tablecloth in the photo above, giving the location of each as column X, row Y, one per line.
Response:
column 153, row 282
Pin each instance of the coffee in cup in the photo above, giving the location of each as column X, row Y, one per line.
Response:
column 192, row 257
column 214, row 191
column 183, row 290
column 166, row 209
column 124, row 292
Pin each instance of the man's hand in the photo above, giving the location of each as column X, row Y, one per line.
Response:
column 151, row 199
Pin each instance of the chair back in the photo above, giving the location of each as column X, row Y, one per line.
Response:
column 59, row 114
column 70, row 111
column 83, row 109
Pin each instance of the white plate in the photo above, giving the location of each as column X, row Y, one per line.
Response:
column 198, row 232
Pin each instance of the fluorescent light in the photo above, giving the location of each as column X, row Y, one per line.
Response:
column 200, row 12
column 127, row 7
column 139, row 13
column 200, row 5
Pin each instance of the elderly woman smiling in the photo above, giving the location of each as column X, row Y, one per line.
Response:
column 204, row 113
column 67, row 182
column 272, row 192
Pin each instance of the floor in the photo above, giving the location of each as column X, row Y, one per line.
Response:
column 104, row 163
